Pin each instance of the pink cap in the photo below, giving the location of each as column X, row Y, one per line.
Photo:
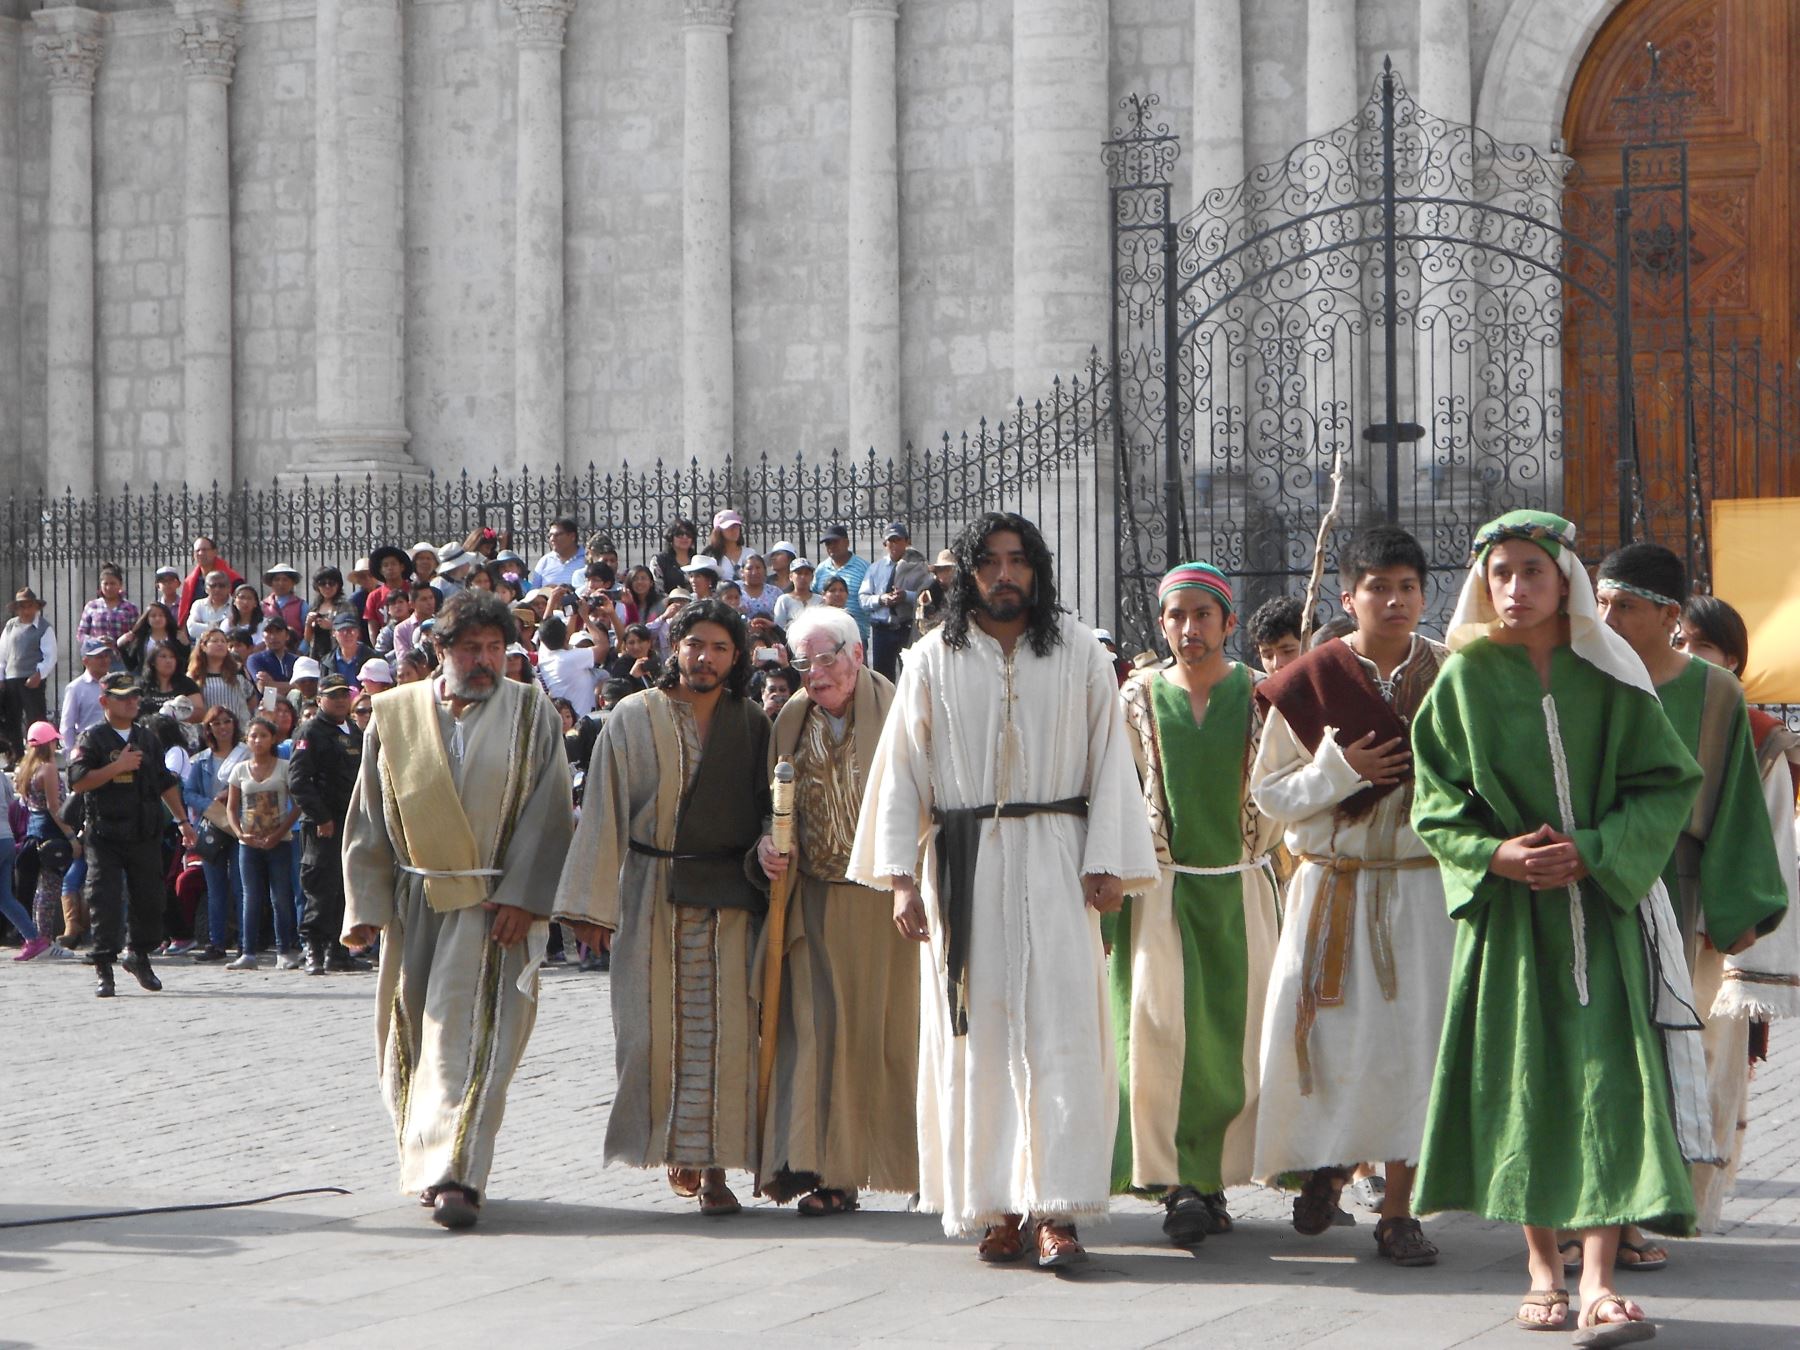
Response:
column 42, row 733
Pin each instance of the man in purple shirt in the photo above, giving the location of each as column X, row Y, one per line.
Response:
column 108, row 615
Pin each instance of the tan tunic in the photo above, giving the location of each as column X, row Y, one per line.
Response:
column 841, row 1103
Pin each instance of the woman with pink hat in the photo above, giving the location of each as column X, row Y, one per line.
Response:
column 40, row 786
column 10, row 908
column 726, row 546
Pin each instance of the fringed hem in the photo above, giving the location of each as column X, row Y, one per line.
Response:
column 1743, row 1001
column 1279, row 1178
column 1670, row 1223
column 974, row 1225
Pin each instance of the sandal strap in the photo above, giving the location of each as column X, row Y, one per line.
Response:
column 1546, row 1298
column 1590, row 1315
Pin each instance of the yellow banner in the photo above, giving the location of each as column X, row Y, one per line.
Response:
column 1756, row 567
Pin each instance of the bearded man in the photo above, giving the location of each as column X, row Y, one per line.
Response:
column 841, row 1100
column 455, row 833
column 1003, row 812
column 676, row 797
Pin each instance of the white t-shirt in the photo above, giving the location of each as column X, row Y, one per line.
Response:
column 790, row 607
column 262, row 805
column 569, row 674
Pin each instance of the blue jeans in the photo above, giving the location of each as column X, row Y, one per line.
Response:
column 224, row 893
column 268, row 879
column 75, row 876
column 16, row 914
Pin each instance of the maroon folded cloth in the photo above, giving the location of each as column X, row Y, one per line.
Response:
column 1329, row 687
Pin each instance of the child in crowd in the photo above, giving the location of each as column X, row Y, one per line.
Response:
column 1275, row 632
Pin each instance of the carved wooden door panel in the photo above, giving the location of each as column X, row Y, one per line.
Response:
column 1736, row 57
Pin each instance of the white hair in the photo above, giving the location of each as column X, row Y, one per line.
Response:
column 834, row 623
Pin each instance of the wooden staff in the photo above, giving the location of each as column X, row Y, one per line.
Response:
column 1318, row 563
column 781, row 833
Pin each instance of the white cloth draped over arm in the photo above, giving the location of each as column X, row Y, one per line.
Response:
column 896, row 807
column 1119, row 842
column 1760, row 983
column 1288, row 784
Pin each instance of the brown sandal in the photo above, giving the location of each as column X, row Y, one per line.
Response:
column 1544, row 1298
column 1003, row 1241
column 1058, row 1245
column 685, row 1181
column 1404, row 1243
column 1316, row 1207
column 716, row 1198
column 1593, row 1334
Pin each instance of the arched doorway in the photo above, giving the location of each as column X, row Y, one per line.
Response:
column 1706, row 381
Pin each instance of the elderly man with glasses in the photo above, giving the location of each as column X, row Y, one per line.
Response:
column 213, row 608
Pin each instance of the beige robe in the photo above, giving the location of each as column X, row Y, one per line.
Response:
column 451, row 1021
column 841, row 1101
column 683, row 1001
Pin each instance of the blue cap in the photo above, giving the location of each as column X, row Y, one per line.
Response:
column 97, row 646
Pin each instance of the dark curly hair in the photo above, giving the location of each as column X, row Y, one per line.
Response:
column 692, row 615
column 1043, row 628
column 467, row 610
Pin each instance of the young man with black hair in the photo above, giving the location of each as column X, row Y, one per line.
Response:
column 1006, row 732
column 1356, row 997
column 1275, row 632
column 675, row 799
column 1725, row 878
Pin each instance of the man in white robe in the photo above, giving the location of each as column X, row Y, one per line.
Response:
column 456, row 831
column 1003, row 811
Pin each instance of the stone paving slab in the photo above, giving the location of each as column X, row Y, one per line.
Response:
column 229, row 1086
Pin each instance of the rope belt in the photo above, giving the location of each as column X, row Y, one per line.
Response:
column 451, row 872
column 1329, row 930
column 959, row 848
column 1261, row 860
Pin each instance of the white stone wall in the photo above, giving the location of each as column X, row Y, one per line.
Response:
column 271, row 237
column 789, row 66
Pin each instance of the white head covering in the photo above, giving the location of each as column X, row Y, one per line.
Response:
column 1591, row 639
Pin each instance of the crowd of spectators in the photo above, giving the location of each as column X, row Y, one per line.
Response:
column 227, row 672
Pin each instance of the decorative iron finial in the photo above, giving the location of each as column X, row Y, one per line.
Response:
column 1656, row 111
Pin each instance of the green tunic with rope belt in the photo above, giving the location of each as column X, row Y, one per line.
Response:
column 1190, row 960
column 1544, row 1111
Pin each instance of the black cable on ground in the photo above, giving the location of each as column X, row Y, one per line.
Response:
column 173, row 1209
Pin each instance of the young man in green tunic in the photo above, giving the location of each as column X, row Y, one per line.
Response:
column 1551, row 789
column 1724, row 877
column 1190, row 959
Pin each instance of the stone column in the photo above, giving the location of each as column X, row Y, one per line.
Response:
column 359, row 246
column 538, row 425
column 69, row 44
column 1218, row 136
column 206, row 32
column 1446, row 84
column 873, row 358
column 1061, row 229
column 707, row 412
column 1333, row 82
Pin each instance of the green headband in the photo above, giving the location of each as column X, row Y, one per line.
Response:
column 1548, row 531
column 1642, row 593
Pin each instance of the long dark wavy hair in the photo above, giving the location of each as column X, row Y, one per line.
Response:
column 1042, row 626
column 737, row 680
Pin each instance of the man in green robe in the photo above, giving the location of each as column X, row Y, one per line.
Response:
column 1724, row 876
column 1191, row 958
column 1551, row 789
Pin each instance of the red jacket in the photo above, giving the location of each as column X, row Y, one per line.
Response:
column 196, row 581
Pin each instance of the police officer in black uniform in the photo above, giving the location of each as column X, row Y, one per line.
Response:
column 125, row 788
column 327, row 757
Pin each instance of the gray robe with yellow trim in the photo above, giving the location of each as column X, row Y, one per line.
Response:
column 842, row 1099
column 681, row 975
column 451, row 1023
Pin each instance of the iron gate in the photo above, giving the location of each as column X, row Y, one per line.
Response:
column 1398, row 291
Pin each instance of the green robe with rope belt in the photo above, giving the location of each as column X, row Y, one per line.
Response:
column 1190, row 959
column 1545, row 1111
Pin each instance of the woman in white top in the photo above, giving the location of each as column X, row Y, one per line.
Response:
column 790, row 606
column 263, row 814
column 216, row 671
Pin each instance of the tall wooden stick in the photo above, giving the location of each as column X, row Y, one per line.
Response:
column 781, row 830
column 1318, row 562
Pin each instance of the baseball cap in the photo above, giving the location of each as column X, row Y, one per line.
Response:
column 119, row 684
column 802, row 564
column 166, row 571
column 377, row 670
column 727, row 517
column 896, row 530
column 96, row 646
column 305, row 669
column 331, row 684
column 344, row 619
column 833, row 532
column 42, row 733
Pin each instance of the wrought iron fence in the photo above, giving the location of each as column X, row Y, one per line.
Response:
column 1042, row 460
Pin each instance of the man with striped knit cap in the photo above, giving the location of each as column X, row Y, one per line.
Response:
column 1190, row 959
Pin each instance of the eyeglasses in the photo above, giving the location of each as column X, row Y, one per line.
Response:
column 824, row 662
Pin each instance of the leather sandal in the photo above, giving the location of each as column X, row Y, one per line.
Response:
column 1003, row 1241
column 1644, row 1256
column 455, row 1208
column 1316, row 1207
column 826, row 1201
column 685, row 1181
column 1058, row 1245
column 717, row 1201
column 1593, row 1334
column 1403, row 1241
column 1544, row 1298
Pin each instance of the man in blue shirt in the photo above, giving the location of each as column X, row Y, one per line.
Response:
column 841, row 562
column 273, row 666
column 81, row 707
column 566, row 562
column 889, row 596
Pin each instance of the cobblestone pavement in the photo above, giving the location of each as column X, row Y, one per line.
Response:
column 230, row 1086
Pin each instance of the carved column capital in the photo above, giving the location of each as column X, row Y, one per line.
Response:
column 542, row 23
column 206, row 34
column 708, row 14
column 875, row 9
column 70, row 43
